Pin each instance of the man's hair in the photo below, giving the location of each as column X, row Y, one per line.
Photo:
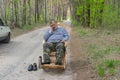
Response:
column 53, row 20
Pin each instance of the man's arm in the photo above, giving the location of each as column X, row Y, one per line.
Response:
column 47, row 34
column 66, row 35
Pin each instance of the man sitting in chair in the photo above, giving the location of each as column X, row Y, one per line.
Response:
column 55, row 39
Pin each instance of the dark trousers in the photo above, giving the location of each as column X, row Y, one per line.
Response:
column 49, row 47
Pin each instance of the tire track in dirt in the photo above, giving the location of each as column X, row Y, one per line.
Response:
column 79, row 62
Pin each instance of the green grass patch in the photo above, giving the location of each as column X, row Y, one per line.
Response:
column 25, row 29
column 75, row 22
column 29, row 27
column 86, row 32
column 101, row 71
column 96, row 52
column 97, row 56
column 107, row 66
column 111, row 71
column 81, row 31
column 103, row 54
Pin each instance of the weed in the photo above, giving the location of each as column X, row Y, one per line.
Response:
column 110, row 63
column 107, row 65
column 101, row 71
column 97, row 55
column 82, row 32
column 112, row 71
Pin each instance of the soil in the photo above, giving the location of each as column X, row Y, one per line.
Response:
column 79, row 62
column 78, row 59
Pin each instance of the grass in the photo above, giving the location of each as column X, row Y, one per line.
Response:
column 25, row 29
column 30, row 27
column 82, row 31
column 97, row 52
column 107, row 66
column 100, row 46
column 112, row 71
column 97, row 55
column 101, row 71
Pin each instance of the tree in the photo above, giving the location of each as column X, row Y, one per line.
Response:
column 27, row 12
column 24, row 12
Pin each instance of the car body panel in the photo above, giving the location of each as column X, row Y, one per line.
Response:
column 4, row 31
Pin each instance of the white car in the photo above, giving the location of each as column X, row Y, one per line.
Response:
column 5, row 32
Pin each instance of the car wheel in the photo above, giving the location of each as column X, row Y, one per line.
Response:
column 7, row 40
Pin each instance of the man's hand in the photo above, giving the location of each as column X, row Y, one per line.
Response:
column 43, row 42
column 65, row 42
column 51, row 30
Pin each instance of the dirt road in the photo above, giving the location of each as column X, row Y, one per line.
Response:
column 24, row 50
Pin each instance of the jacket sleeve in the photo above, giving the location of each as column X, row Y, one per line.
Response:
column 47, row 34
column 66, row 35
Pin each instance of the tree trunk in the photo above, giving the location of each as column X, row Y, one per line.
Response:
column 45, row 11
column 24, row 13
column 12, row 21
column 36, row 11
column 29, row 14
column 101, row 12
column 88, row 14
column 16, row 14
column 119, row 9
column 51, row 8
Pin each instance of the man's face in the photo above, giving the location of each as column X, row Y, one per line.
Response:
column 53, row 25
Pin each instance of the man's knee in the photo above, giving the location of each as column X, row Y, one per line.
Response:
column 60, row 46
column 47, row 47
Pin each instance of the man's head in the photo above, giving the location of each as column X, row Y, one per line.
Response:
column 53, row 23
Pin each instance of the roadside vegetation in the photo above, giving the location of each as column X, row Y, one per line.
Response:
column 25, row 29
column 96, row 24
column 102, row 50
column 24, row 13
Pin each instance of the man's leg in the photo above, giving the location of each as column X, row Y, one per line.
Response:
column 47, row 47
column 60, row 49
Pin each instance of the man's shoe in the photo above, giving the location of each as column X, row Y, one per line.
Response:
column 30, row 67
column 46, row 59
column 47, row 62
column 34, row 67
column 58, row 63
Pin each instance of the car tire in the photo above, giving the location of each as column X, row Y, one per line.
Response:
column 7, row 40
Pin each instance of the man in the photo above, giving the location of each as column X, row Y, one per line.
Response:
column 55, row 39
